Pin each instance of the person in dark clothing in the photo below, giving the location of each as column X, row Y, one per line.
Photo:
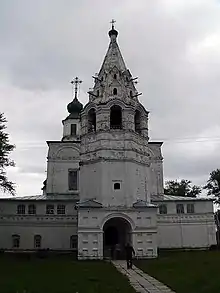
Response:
column 113, row 252
column 129, row 251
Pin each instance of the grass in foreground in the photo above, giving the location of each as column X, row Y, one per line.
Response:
column 60, row 275
column 191, row 272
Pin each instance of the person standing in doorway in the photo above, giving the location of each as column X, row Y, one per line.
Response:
column 129, row 251
column 117, row 251
column 113, row 251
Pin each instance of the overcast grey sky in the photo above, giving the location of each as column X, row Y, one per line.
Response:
column 173, row 46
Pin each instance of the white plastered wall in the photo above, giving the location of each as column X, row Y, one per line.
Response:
column 62, row 156
column 101, row 176
column 90, row 231
column 55, row 230
column 195, row 230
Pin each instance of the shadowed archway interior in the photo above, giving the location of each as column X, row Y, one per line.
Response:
column 117, row 233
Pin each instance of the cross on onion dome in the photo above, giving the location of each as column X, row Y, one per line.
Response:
column 112, row 22
column 75, row 84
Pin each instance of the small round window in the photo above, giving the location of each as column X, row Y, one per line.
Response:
column 117, row 186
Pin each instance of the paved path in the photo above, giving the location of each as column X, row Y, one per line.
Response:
column 140, row 281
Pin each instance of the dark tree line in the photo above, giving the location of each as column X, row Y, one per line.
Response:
column 185, row 188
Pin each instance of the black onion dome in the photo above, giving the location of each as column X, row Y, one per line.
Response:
column 74, row 107
column 113, row 32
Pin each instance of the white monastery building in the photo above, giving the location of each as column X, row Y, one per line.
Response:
column 104, row 184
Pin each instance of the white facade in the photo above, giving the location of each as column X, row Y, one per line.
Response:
column 186, row 230
column 104, row 182
column 55, row 230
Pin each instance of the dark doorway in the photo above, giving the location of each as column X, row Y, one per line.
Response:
column 111, row 236
column 117, row 233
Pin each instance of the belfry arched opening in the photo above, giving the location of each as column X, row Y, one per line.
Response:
column 116, row 234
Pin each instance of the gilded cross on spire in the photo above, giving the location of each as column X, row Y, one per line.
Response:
column 75, row 83
column 113, row 22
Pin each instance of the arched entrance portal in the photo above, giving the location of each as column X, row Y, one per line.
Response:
column 116, row 234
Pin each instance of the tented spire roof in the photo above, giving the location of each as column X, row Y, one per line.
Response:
column 113, row 56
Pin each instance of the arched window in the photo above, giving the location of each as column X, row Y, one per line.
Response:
column 115, row 92
column 15, row 241
column 137, row 121
column 31, row 209
column 116, row 117
column 162, row 209
column 91, row 120
column 73, row 242
column 117, row 186
column 21, row 209
column 115, row 76
column 37, row 241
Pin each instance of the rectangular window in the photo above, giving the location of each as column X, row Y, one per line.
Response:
column 21, row 209
column 73, row 241
column 61, row 209
column 50, row 209
column 162, row 209
column 190, row 208
column 15, row 241
column 73, row 180
column 73, row 129
column 180, row 208
column 37, row 241
column 31, row 209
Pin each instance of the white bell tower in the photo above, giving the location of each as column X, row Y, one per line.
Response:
column 119, row 168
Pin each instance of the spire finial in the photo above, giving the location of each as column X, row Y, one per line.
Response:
column 75, row 83
column 113, row 33
column 113, row 22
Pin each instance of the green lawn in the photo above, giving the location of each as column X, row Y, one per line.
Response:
column 191, row 272
column 60, row 275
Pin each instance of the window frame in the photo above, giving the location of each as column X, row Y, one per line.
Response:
column 178, row 210
column 61, row 209
column 16, row 237
column 72, row 187
column 189, row 210
column 37, row 239
column 73, row 242
column 73, row 126
column 117, row 184
column 51, row 209
column 30, row 211
column 163, row 211
column 21, row 209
